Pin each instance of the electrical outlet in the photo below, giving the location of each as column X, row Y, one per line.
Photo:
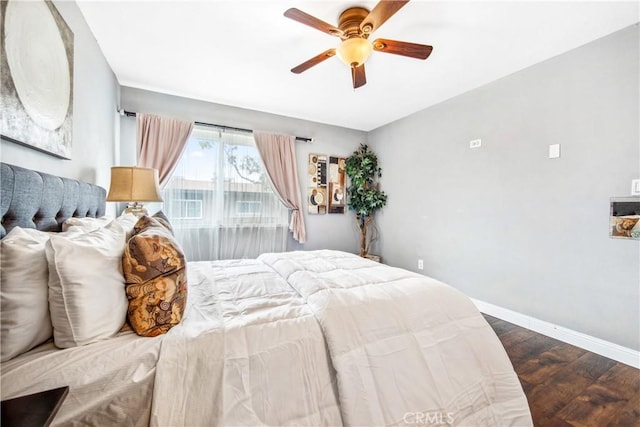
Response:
column 635, row 187
column 554, row 151
column 476, row 143
column 420, row 264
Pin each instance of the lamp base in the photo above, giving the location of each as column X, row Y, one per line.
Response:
column 136, row 208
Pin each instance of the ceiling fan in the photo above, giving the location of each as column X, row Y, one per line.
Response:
column 355, row 25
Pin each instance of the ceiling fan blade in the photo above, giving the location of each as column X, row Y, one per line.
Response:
column 413, row 50
column 358, row 76
column 312, row 21
column 313, row 61
column 384, row 10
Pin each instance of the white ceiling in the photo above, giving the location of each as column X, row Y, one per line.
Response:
column 239, row 52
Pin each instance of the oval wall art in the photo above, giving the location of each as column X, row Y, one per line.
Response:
column 37, row 77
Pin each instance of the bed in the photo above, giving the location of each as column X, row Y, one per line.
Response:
column 299, row 338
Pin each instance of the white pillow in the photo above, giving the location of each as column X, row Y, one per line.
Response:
column 86, row 222
column 24, row 306
column 127, row 221
column 87, row 298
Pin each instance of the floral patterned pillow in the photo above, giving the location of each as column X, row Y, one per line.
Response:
column 163, row 220
column 155, row 274
column 146, row 221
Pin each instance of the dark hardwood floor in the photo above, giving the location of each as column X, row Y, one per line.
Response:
column 569, row 386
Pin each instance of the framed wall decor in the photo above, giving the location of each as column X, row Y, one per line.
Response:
column 337, row 190
column 36, row 77
column 624, row 218
column 317, row 184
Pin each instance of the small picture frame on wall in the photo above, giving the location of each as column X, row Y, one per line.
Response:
column 624, row 218
column 317, row 184
column 337, row 190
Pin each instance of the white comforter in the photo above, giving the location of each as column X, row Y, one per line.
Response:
column 259, row 343
column 248, row 352
column 407, row 349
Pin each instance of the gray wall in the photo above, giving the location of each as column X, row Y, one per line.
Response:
column 323, row 231
column 94, row 107
column 504, row 223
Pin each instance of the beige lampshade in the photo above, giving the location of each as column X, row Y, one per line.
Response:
column 134, row 184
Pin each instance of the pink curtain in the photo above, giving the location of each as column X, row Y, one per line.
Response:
column 278, row 154
column 161, row 141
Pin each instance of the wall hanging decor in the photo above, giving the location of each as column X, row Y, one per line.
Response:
column 337, row 192
column 624, row 218
column 317, row 184
column 36, row 77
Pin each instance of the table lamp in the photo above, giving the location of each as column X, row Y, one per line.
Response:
column 134, row 185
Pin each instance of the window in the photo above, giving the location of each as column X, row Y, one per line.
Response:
column 248, row 208
column 219, row 197
column 185, row 209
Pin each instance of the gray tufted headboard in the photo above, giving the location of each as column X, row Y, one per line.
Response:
column 31, row 199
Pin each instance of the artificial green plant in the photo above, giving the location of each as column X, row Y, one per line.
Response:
column 364, row 195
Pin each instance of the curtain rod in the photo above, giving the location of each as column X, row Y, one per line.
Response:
column 298, row 138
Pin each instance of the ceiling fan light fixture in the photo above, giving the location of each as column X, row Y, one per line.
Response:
column 355, row 25
column 354, row 51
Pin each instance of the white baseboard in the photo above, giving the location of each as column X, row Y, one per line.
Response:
column 596, row 345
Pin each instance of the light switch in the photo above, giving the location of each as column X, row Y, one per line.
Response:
column 554, row 151
column 476, row 143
